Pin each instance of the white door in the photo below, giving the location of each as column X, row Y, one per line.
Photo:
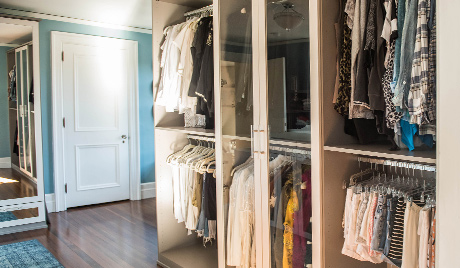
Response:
column 95, row 83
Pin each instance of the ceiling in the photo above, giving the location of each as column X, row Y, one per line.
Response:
column 136, row 13
column 15, row 34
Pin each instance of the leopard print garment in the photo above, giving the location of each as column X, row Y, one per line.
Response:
column 342, row 104
column 392, row 117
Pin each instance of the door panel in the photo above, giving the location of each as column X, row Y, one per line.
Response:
column 95, row 92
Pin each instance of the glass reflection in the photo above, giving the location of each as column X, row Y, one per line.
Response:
column 17, row 114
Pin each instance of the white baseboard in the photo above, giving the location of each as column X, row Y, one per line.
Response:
column 50, row 200
column 5, row 162
column 148, row 190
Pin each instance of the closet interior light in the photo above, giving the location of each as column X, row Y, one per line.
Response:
column 288, row 18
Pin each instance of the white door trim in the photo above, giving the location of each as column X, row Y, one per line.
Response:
column 58, row 39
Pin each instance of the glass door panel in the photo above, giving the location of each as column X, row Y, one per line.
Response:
column 236, row 119
column 287, row 202
column 288, row 66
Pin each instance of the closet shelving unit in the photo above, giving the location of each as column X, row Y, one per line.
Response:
column 339, row 152
column 334, row 154
column 175, row 247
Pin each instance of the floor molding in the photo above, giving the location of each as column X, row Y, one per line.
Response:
column 17, row 12
column 148, row 190
column 5, row 162
column 50, row 200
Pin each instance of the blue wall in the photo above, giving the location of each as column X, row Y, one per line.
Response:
column 145, row 93
column 4, row 115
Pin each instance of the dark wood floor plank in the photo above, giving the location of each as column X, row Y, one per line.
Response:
column 121, row 234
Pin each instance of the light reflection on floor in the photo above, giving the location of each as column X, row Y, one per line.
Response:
column 6, row 180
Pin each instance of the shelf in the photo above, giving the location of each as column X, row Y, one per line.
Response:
column 382, row 151
column 299, row 144
column 282, row 142
column 202, row 257
column 193, row 131
column 210, row 133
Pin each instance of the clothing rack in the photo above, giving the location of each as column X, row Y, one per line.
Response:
column 396, row 164
column 201, row 138
column 206, row 9
column 290, row 150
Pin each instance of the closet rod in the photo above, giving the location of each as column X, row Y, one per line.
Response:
column 397, row 164
column 290, row 150
column 199, row 11
column 201, row 138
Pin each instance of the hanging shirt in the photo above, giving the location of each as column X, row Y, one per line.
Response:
column 420, row 69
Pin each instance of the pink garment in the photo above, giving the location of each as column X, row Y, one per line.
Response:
column 371, row 224
column 302, row 222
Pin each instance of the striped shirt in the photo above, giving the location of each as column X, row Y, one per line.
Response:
column 420, row 69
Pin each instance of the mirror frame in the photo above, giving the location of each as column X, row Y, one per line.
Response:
column 6, row 19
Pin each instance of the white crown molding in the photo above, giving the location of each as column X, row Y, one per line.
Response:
column 37, row 15
column 8, row 45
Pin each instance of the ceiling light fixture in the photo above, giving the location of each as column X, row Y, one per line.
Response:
column 288, row 18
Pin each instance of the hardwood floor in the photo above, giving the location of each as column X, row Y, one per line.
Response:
column 121, row 234
column 14, row 185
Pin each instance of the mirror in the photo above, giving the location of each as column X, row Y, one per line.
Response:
column 18, row 214
column 18, row 171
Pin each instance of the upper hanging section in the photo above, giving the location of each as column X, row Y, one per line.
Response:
column 188, row 3
column 202, row 12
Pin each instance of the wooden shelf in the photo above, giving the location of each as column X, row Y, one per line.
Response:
column 382, row 151
column 210, row 133
column 193, row 131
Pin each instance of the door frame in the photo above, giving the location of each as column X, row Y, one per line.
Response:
column 58, row 39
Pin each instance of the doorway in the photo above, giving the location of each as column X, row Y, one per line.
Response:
column 95, row 120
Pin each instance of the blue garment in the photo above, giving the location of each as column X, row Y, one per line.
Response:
column 427, row 139
column 407, row 134
column 407, row 55
column 409, row 131
column 397, row 63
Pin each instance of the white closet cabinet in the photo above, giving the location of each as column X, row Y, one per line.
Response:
column 273, row 89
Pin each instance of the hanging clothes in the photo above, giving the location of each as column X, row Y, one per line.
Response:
column 184, row 86
column 387, row 71
column 194, row 190
column 388, row 221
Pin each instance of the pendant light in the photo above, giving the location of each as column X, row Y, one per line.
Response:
column 288, row 18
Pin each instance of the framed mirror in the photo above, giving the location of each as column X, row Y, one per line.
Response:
column 21, row 172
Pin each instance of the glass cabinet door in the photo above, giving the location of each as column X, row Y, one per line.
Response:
column 286, row 134
column 234, row 121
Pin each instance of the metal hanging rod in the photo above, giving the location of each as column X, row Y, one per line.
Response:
column 201, row 138
column 397, row 164
column 290, row 150
column 199, row 11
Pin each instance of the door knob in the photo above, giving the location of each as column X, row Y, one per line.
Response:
column 124, row 137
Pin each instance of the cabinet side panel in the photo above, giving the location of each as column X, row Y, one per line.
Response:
column 448, row 127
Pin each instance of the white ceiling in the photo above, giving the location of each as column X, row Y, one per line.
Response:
column 15, row 34
column 136, row 13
